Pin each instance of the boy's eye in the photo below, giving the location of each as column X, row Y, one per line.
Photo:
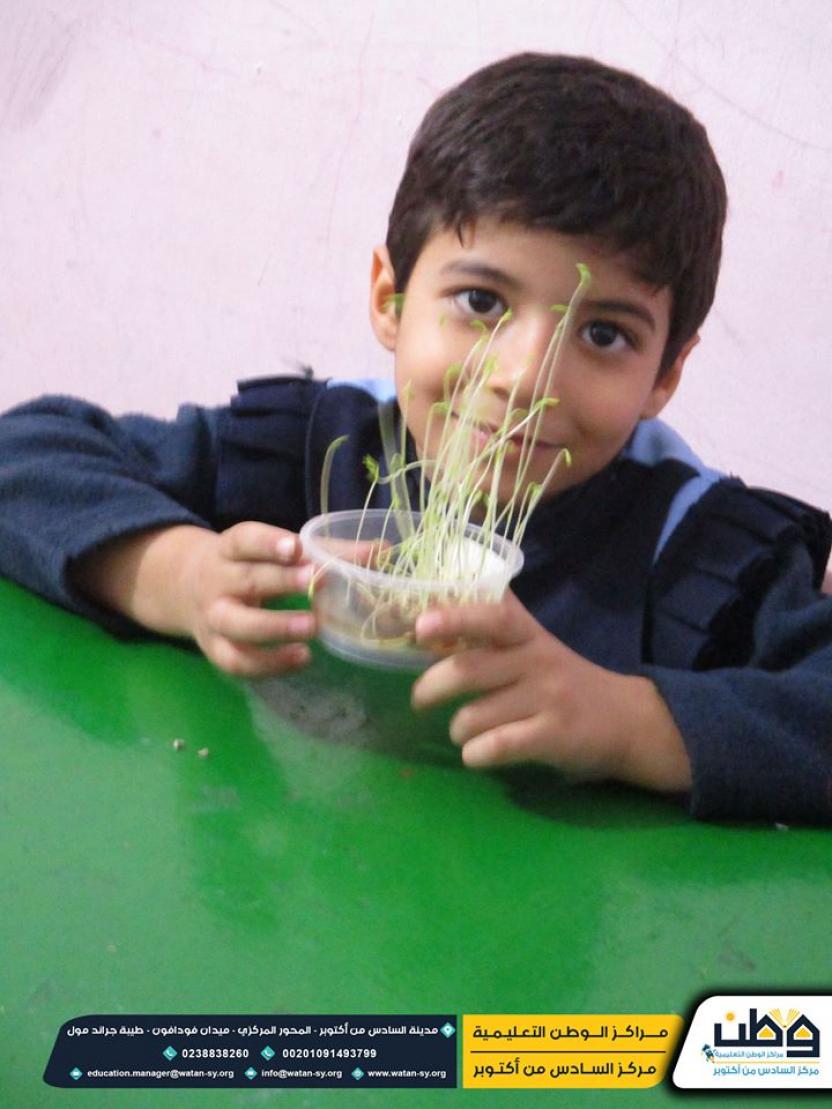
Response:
column 480, row 302
column 604, row 335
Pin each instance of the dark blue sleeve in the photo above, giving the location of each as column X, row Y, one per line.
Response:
column 73, row 477
column 759, row 736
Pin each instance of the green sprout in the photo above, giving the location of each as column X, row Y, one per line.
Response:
column 326, row 469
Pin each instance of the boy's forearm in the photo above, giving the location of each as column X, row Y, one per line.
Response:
column 145, row 576
column 653, row 753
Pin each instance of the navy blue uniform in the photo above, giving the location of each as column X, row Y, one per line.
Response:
column 654, row 566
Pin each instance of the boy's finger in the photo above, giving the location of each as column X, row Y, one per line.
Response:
column 362, row 553
column 359, row 552
column 504, row 624
column 501, row 746
column 473, row 671
column 244, row 624
column 253, row 541
column 486, row 714
column 247, row 661
column 254, row 582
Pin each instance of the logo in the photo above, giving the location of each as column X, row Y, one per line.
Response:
column 757, row 1043
column 795, row 1034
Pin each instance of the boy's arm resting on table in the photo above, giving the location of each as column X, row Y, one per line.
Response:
column 187, row 581
column 760, row 735
column 73, row 478
column 146, row 576
column 113, row 518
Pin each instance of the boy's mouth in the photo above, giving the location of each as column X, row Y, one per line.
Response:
column 485, row 433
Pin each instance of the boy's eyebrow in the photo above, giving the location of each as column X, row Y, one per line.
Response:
column 483, row 271
column 628, row 307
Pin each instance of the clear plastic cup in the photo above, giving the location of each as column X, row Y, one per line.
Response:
column 366, row 615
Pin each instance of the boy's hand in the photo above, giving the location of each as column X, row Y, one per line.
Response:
column 189, row 581
column 226, row 578
column 538, row 701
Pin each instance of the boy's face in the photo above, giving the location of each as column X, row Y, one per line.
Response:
column 606, row 376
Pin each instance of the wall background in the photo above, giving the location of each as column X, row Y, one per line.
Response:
column 189, row 192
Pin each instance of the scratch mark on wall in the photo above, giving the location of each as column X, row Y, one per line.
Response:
column 730, row 331
column 218, row 58
column 34, row 57
column 295, row 21
column 680, row 63
column 193, row 57
column 336, row 185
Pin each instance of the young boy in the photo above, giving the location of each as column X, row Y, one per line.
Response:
column 667, row 628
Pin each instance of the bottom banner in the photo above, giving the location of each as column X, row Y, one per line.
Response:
column 734, row 1042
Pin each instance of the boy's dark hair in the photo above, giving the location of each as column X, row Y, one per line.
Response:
column 578, row 147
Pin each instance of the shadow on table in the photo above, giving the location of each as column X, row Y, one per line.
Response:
column 548, row 794
column 340, row 704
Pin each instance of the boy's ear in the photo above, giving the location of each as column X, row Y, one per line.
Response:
column 384, row 315
column 665, row 387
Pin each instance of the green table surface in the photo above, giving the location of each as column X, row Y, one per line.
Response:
column 331, row 855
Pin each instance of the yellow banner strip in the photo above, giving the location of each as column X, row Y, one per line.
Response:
column 559, row 1051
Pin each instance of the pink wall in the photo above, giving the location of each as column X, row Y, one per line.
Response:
column 190, row 191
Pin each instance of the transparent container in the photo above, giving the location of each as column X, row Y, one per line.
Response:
column 367, row 615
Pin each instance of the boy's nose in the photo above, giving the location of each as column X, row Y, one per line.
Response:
column 521, row 355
